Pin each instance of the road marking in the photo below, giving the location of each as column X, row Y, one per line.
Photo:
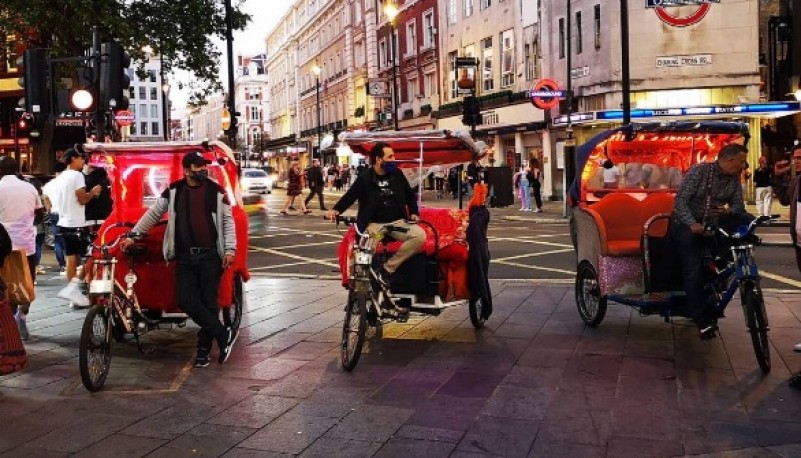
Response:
column 294, row 256
column 531, row 255
column 524, row 266
column 514, row 239
column 302, row 245
column 289, row 264
column 781, row 279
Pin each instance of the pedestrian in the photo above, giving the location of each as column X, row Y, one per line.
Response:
column 201, row 238
column 72, row 197
column 611, row 174
column 438, row 173
column 525, row 189
column 98, row 209
column 48, row 191
column 453, row 181
column 475, row 174
column 316, row 184
column 763, row 177
column 344, row 174
column 20, row 209
column 294, row 188
column 792, row 195
column 536, row 184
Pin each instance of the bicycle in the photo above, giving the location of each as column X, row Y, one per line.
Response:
column 370, row 301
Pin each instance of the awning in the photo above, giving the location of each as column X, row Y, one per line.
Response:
column 438, row 146
column 749, row 110
column 280, row 142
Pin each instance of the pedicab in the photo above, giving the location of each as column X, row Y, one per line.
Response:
column 133, row 292
column 450, row 271
column 622, row 233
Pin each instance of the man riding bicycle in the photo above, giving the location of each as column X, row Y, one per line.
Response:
column 385, row 198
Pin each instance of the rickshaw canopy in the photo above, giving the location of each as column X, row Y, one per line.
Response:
column 436, row 147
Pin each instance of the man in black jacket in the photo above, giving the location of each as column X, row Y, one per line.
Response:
column 385, row 197
column 315, row 178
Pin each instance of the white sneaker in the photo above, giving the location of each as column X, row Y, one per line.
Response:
column 72, row 292
column 62, row 273
column 797, row 347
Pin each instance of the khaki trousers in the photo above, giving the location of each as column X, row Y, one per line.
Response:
column 412, row 242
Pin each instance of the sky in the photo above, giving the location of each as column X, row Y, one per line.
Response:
column 265, row 14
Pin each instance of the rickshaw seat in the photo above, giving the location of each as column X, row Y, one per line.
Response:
column 620, row 218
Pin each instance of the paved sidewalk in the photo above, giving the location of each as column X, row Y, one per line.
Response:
column 535, row 382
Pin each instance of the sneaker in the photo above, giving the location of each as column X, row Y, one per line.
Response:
column 539, row 210
column 707, row 329
column 226, row 342
column 203, row 358
column 797, row 347
column 62, row 272
column 72, row 292
column 22, row 324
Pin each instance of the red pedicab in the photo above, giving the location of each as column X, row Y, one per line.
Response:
column 622, row 233
column 134, row 292
column 433, row 280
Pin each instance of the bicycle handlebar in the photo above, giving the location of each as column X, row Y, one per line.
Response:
column 351, row 221
column 742, row 232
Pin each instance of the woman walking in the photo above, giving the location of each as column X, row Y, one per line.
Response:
column 536, row 183
column 525, row 192
column 294, row 188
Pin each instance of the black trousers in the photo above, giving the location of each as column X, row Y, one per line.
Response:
column 316, row 190
column 537, row 193
column 197, row 279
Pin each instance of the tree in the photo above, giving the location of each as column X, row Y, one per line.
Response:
column 180, row 31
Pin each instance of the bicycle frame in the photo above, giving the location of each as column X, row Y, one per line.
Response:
column 736, row 273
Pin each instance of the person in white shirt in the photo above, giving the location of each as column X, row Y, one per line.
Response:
column 20, row 206
column 49, row 192
column 611, row 174
column 70, row 198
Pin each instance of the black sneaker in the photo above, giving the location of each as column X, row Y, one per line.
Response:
column 707, row 329
column 226, row 342
column 203, row 358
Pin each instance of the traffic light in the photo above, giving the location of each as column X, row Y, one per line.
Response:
column 114, row 79
column 24, row 125
column 233, row 127
column 37, row 94
column 471, row 112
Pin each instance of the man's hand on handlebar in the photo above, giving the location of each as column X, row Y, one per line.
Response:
column 228, row 261
column 697, row 228
column 130, row 239
column 414, row 218
column 332, row 215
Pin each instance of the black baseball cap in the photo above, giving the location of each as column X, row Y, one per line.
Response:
column 71, row 153
column 196, row 158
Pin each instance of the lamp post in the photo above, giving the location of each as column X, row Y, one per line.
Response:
column 316, row 70
column 165, row 111
column 391, row 11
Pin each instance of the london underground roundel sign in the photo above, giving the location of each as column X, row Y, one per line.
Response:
column 663, row 7
column 545, row 94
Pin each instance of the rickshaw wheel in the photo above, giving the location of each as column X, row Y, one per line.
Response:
column 232, row 316
column 754, row 309
column 591, row 305
column 354, row 330
column 94, row 355
column 476, row 311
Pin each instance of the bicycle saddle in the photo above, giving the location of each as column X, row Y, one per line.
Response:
column 136, row 250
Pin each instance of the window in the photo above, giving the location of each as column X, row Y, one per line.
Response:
column 451, row 11
column 411, row 39
column 529, row 60
column 597, row 22
column 11, row 53
column 579, row 46
column 429, row 84
column 133, row 129
column 452, row 74
column 468, row 8
column 485, row 4
column 152, row 75
column 154, row 126
column 142, row 93
column 412, row 88
column 487, row 78
column 154, row 111
column 561, row 38
column 143, row 128
column 143, row 109
column 507, row 58
column 153, row 94
column 254, row 114
column 428, row 30
column 382, row 54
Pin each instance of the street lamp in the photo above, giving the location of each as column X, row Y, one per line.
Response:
column 316, row 70
column 165, row 91
column 391, row 11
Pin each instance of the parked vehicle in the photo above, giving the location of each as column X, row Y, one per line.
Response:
column 256, row 181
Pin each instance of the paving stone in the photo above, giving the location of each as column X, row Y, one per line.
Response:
column 499, row 436
column 426, row 433
column 708, row 436
column 82, row 433
column 404, row 393
column 121, row 446
column 255, row 411
column 327, row 447
column 405, row 447
column 472, row 384
column 771, row 432
column 306, row 351
column 643, row 448
column 32, row 451
column 239, row 452
column 452, row 413
column 569, row 425
column 371, row 423
column 171, row 422
column 518, row 402
column 544, row 448
column 291, row 433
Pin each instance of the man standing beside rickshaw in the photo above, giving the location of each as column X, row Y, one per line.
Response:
column 200, row 237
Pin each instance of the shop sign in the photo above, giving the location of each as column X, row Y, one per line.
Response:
column 465, row 68
column 745, row 109
column 663, row 7
column 575, row 117
column 695, row 60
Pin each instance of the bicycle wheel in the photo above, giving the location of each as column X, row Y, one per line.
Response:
column 476, row 311
column 755, row 319
column 591, row 305
column 94, row 354
column 232, row 316
column 354, row 329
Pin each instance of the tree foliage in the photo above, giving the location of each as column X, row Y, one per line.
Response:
column 181, row 31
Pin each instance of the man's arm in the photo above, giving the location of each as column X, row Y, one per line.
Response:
column 229, row 230
column 153, row 215
column 350, row 196
column 688, row 187
column 737, row 206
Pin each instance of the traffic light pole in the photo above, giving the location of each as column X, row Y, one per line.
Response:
column 99, row 115
column 229, row 38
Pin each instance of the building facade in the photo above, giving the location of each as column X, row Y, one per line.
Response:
column 252, row 101
column 149, row 103
column 205, row 122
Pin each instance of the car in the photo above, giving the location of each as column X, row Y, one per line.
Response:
column 256, row 181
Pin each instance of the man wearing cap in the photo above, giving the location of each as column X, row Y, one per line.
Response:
column 200, row 237
column 70, row 198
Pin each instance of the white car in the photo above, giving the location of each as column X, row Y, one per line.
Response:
column 256, row 181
